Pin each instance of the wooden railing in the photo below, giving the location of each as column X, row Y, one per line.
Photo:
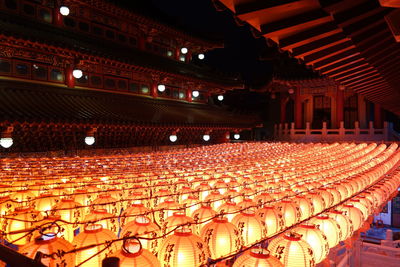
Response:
column 285, row 133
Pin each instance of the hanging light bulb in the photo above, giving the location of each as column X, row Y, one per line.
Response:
column 89, row 140
column 173, row 138
column 220, row 97
column 206, row 137
column 77, row 73
column 236, row 136
column 201, row 56
column 195, row 93
column 161, row 87
column 64, row 10
column 184, row 50
column 6, row 142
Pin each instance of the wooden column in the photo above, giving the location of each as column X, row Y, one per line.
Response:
column 153, row 91
column 177, row 53
column 57, row 17
column 188, row 56
column 339, row 107
column 69, row 77
column 377, row 116
column 189, row 95
column 298, row 110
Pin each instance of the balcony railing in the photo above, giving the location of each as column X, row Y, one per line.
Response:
column 285, row 133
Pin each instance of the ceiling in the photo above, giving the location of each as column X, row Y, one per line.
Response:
column 346, row 40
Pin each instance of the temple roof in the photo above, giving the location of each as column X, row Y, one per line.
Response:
column 20, row 101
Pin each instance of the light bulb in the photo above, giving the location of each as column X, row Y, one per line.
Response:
column 6, row 142
column 173, row 138
column 220, row 97
column 236, row 136
column 184, row 50
column 161, row 87
column 77, row 73
column 200, row 56
column 206, row 137
column 89, row 140
column 195, row 93
column 64, row 10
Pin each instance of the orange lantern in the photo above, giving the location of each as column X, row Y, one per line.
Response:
column 263, row 199
column 222, row 237
column 329, row 227
column 134, row 210
column 247, row 204
column 316, row 239
column 45, row 202
column 101, row 216
column 142, row 226
column 229, row 210
column 177, row 219
column 292, row 251
column 94, row 234
column 182, row 249
column 273, row 219
column 250, row 226
column 354, row 214
column 106, row 201
column 257, row 257
column 215, row 198
column 131, row 254
column 346, row 225
column 191, row 204
column 357, row 203
column 68, row 209
column 306, row 207
column 49, row 244
column 165, row 210
column 290, row 211
column 202, row 216
column 317, row 201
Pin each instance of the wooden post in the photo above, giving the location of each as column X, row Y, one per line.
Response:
column 377, row 116
column 298, row 109
column 339, row 107
column 69, row 77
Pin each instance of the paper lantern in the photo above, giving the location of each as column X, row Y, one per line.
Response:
column 356, row 203
column 177, row 219
column 134, row 210
column 6, row 207
column 142, row 226
column 165, row 209
column 202, row 216
column 22, row 219
column 247, row 204
column 191, row 204
column 257, row 257
column 204, row 189
column 182, row 249
column 327, row 196
column 229, row 210
column 346, row 225
column 106, row 201
column 354, row 214
column 316, row 239
column 49, row 244
column 132, row 255
column 68, row 209
column 273, row 219
column 250, row 226
column 329, row 227
column 94, row 234
column 23, row 196
column 215, row 199
column 263, row 199
column 222, row 237
column 290, row 211
column 232, row 195
column 317, row 202
column 306, row 207
column 292, row 251
column 335, row 194
column 101, row 216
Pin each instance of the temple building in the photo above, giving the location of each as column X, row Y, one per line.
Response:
column 199, row 133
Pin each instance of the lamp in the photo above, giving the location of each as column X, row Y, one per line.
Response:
column 195, row 93
column 64, row 10
column 236, row 136
column 161, row 87
column 6, row 140
column 201, row 56
column 220, row 97
column 90, row 139
column 184, row 50
column 206, row 137
column 77, row 73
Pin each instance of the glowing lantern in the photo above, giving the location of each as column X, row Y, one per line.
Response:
column 142, row 226
column 335, row 194
column 292, row 251
column 177, row 219
column 366, row 202
column 215, row 198
column 222, row 237
column 346, row 226
column 93, row 234
column 6, row 206
column 134, row 210
column 329, row 227
column 247, row 203
column 317, row 201
column 364, row 210
column 229, row 210
column 23, row 218
column 204, row 189
column 250, row 226
column 131, row 255
column 306, row 207
column 273, row 219
column 232, row 195
column 342, row 190
column 257, row 257
column 290, row 211
column 183, row 249
column 101, row 216
column 191, row 204
column 49, row 244
column 327, row 196
column 22, row 196
column 106, row 201
column 68, row 209
column 45, row 202
column 263, row 199
column 165, row 209
column 202, row 216
column 316, row 239
column 354, row 214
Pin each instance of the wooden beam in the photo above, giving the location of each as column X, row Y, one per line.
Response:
column 356, row 11
column 319, row 44
column 309, row 35
column 331, row 51
column 356, row 87
column 355, row 74
column 259, row 5
column 349, row 69
column 294, row 22
column 374, row 32
column 336, row 58
column 342, row 64
column 362, row 77
column 361, row 25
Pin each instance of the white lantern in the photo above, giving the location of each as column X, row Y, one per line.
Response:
column 201, row 56
column 206, row 137
column 184, row 50
column 220, row 97
column 236, row 136
column 195, row 93
column 89, row 140
column 64, row 10
column 161, row 87
column 173, row 138
column 6, row 142
column 77, row 73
